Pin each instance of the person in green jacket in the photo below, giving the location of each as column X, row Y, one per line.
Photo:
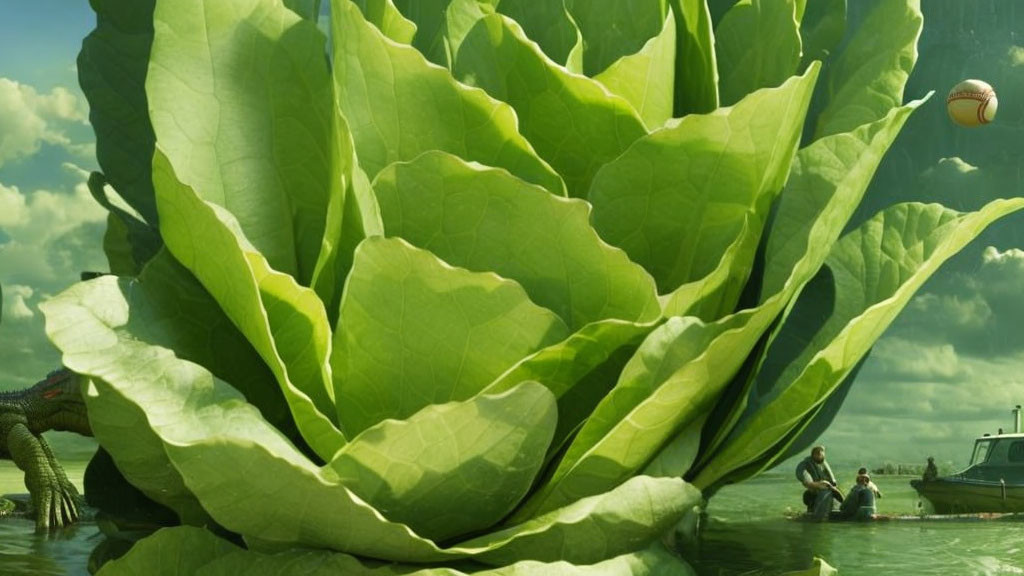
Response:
column 819, row 483
column 860, row 500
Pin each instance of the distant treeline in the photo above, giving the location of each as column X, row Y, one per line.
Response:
column 890, row 468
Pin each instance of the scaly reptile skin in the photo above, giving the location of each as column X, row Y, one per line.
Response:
column 52, row 404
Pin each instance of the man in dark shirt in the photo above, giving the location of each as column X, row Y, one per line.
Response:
column 860, row 501
column 931, row 472
column 820, row 484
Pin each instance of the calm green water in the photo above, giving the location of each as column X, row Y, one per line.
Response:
column 747, row 534
column 23, row 552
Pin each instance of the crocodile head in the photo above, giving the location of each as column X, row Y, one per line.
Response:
column 56, row 403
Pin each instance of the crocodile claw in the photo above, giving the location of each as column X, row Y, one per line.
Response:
column 57, row 506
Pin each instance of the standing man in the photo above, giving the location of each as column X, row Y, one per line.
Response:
column 820, row 484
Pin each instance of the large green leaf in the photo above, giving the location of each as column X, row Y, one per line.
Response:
column 208, row 555
column 129, row 242
column 429, row 19
column 758, row 46
column 561, row 365
column 623, row 519
column 286, row 323
column 867, row 79
column 485, row 219
column 647, row 79
column 216, row 442
column 455, row 468
column 178, row 551
column 171, row 310
column 112, row 72
column 388, row 19
column 696, row 90
column 635, row 23
column 678, row 198
column 549, row 24
column 244, row 473
column 241, row 103
column 684, row 365
column 352, row 215
column 573, row 121
column 828, row 181
column 459, row 331
column 871, row 274
column 398, row 106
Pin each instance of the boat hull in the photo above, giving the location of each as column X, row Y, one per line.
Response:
column 963, row 495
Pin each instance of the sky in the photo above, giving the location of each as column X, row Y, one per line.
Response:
column 949, row 369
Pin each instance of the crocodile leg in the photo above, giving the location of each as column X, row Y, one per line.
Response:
column 54, row 506
column 71, row 501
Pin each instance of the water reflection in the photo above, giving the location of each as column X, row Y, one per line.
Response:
column 747, row 534
column 64, row 552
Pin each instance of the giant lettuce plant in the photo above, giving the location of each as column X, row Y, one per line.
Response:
column 502, row 287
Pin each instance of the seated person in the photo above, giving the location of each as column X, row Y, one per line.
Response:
column 871, row 484
column 860, row 501
column 931, row 472
column 816, row 476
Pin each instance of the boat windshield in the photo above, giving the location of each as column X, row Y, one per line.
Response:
column 980, row 451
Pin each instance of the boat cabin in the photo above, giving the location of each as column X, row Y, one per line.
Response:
column 997, row 457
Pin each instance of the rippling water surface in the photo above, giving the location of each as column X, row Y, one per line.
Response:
column 63, row 552
column 747, row 534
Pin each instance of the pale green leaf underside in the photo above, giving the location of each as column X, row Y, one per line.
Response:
column 244, row 113
column 398, row 106
column 459, row 331
column 187, row 551
column 622, row 519
column 485, row 219
column 285, row 323
column 573, row 122
column 177, row 551
column 89, row 323
column 454, row 468
column 874, row 272
column 677, row 199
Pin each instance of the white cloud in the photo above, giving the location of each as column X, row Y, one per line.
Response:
column 16, row 306
column 895, row 358
column 29, row 118
column 955, row 312
column 35, row 224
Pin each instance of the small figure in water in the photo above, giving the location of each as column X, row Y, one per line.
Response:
column 930, row 472
column 871, row 484
column 820, row 483
column 860, row 501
